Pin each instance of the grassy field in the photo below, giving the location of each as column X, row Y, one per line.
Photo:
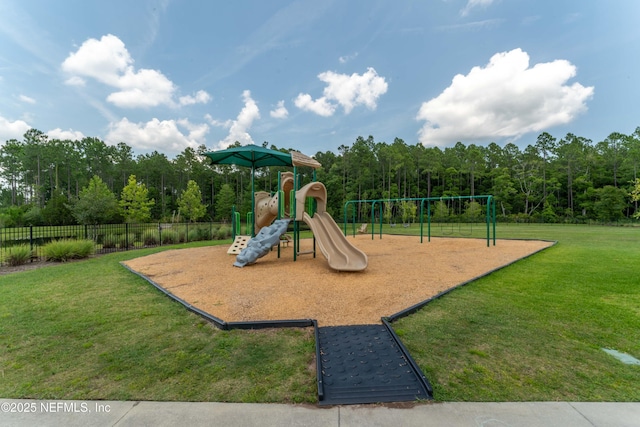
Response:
column 93, row 330
column 532, row 331
column 535, row 330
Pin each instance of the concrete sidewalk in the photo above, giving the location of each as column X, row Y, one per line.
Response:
column 18, row 413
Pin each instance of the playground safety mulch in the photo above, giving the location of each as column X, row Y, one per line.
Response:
column 401, row 272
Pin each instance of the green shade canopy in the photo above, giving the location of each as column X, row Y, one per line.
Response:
column 251, row 156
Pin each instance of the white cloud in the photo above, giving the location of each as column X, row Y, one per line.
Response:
column 144, row 88
column 347, row 91
column 473, row 4
column 28, row 100
column 239, row 129
column 218, row 123
column 320, row 106
column 504, row 99
column 12, row 130
column 161, row 135
column 62, row 135
column 108, row 61
column 280, row 111
column 104, row 60
column 197, row 131
column 201, row 97
column 75, row 81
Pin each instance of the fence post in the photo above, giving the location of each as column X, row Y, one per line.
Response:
column 31, row 238
column 126, row 235
column 186, row 235
column 160, row 233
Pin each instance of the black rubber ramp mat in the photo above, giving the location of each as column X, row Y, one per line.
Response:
column 367, row 364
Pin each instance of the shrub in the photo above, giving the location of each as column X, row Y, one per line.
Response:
column 213, row 230
column 223, row 232
column 65, row 250
column 110, row 241
column 204, row 232
column 194, row 236
column 169, row 237
column 17, row 255
column 124, row 238
column 151, row 238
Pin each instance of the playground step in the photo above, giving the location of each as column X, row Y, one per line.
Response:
column 365, row 364
column 239, row 243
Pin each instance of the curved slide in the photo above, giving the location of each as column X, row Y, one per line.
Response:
column 340, row 254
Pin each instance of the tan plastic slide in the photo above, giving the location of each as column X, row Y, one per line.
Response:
column 340, row 254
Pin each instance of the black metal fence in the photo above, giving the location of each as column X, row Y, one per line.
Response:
column 110, row 237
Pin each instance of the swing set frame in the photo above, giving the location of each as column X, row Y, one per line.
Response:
column 425, row 214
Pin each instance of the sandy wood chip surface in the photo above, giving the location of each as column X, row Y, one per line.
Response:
column 401, row 272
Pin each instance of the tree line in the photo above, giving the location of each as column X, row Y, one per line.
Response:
column 568, row 179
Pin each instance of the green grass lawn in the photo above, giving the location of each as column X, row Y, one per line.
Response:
column 535, row 330
column 532, row 331
column 93, row 330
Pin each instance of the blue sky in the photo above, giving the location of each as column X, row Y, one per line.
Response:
column 313, row 75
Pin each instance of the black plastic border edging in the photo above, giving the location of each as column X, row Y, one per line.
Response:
column 410, row 310
column 266, row 324
column 221, row 324
column 318, row 362
column 414, row 366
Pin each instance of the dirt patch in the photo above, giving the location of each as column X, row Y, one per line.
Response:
column 35, row 265
column 7, row 269
column 401, row 272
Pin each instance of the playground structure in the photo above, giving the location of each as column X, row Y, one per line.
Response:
column 378, row 366
column 292, row 203
column 445, row 211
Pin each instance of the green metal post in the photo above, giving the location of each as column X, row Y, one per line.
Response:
column 296, row 230
column 280, row 194
column 353, row 219
column 373, row 220
column 233, row 222
column 280, row 199
column 493, row 210
column 253, row 202
column 429, row 221
column 373, row 217
column 421, row 219
column 252, row 222
column 380, row 216
column 488, row 220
